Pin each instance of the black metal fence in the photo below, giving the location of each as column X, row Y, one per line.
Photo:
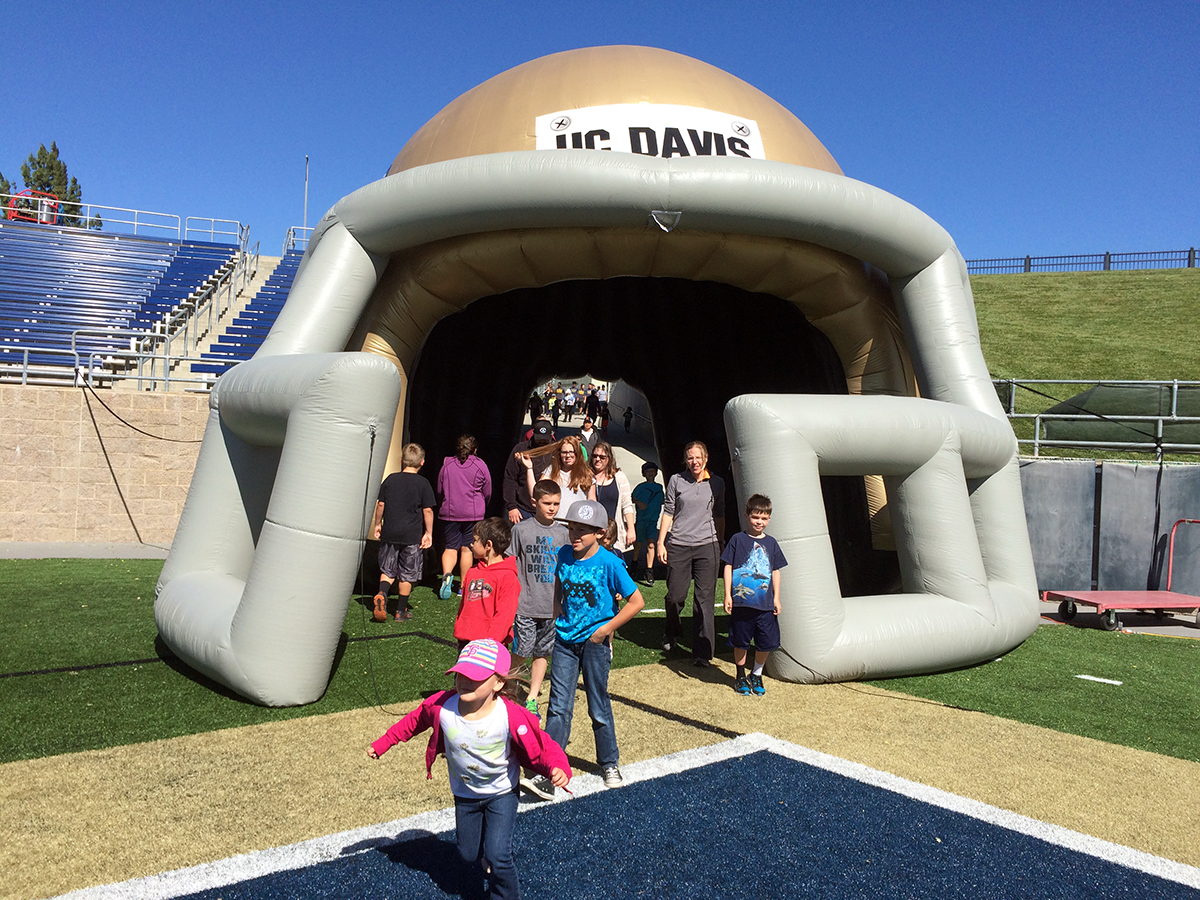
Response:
column 1086, row 262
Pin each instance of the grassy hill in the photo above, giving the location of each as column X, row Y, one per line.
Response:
column 1094, row 325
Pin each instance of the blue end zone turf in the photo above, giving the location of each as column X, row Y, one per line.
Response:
column 752, row 818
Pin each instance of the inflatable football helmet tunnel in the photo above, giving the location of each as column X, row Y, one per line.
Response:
column 641, row 215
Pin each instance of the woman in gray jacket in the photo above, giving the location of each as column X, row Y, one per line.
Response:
column 690, row 536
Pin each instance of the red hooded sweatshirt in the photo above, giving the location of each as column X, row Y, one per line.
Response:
column 489, row 601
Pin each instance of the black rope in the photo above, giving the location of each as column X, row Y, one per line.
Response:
column 157, row 437
column 111, row 471
column 362, row 548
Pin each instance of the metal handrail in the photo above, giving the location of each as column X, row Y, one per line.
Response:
column 239, row 232
column 297, row 237
column 1014, row 383
column 139, row 221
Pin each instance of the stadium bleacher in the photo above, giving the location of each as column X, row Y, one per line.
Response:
column 56, row 281
column 243, row 336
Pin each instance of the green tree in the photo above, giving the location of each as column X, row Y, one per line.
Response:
column 45, row 171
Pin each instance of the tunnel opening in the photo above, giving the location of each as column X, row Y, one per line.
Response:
column 688, row 346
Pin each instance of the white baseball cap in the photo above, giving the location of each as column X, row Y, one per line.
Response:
column 587, row 512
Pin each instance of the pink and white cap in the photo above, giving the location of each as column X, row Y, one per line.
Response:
column 481, row 659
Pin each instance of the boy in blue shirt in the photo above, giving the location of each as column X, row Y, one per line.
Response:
column 752, row 561
column 587, row 582
column 648, row 498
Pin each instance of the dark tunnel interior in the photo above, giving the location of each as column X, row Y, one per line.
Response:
column 687, row 346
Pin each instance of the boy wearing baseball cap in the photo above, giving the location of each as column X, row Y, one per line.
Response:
column 486, row 738
column 587, row 583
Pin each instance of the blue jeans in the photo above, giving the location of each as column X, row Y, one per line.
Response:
column 565, row 665
column 484, row 829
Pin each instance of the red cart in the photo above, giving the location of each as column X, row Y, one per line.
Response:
column 1107, row 603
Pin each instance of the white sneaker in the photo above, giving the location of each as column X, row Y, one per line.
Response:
column 540, row 787
column 612, row 777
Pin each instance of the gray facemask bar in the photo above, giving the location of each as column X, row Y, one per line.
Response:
column 257, row 602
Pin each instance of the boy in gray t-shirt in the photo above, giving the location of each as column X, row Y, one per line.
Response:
column 535, row 544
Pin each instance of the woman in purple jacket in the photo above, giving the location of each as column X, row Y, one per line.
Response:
column 464, row 486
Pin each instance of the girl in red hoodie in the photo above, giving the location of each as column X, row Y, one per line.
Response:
column 491, row 589
column 486, row 738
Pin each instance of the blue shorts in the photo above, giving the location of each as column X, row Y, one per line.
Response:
column 457, row 534
column 759, row 627
column 646, row 530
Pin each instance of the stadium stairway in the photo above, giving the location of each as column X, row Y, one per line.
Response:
column 245, row 331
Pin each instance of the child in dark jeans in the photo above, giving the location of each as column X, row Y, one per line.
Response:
column 485, row 738
column 588, row 581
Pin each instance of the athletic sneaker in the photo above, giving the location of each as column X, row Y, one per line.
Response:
column 756, row 685
column 612, row 777
column 668, row 644
column 447, row 587
column 540, row 787
column 531, row 705
column 742, row 686
column 403, row 614
column 380, row 608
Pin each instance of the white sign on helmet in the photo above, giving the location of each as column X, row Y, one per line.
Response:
column 650, row 129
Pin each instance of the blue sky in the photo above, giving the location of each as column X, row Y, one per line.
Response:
column 1038, row 128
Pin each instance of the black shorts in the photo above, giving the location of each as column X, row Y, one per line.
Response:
column 759, row 627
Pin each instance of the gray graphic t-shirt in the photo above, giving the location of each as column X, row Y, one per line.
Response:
column 536, row 548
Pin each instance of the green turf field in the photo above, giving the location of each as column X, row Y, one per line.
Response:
column 71, row 615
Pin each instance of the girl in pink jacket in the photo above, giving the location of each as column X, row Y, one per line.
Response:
column 486, row 738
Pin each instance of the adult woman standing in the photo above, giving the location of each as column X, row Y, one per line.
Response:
column 567, row 469
column 465, row 486
column 689, row 545
column 615, row 494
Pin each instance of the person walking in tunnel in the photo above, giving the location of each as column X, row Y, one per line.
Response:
column 534, row 405
column 569, row 403
column 568, row 469
column 464, row 486
column 518, row 499
column 588, row 436
column 615, row 494
column 690, row 536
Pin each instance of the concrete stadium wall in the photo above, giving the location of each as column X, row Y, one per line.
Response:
column 56, row 484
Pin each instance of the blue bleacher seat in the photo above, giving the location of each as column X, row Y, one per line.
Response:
column 56, row 280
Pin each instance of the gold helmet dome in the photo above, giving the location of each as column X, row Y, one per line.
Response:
column 499, row 115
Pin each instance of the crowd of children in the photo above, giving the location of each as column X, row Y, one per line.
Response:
column 549, row 586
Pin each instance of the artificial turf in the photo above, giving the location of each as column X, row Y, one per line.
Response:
column 97, row 677
column 82, row 616
column 1154, row 708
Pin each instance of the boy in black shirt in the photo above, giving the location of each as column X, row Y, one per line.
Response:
column 403, row 525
